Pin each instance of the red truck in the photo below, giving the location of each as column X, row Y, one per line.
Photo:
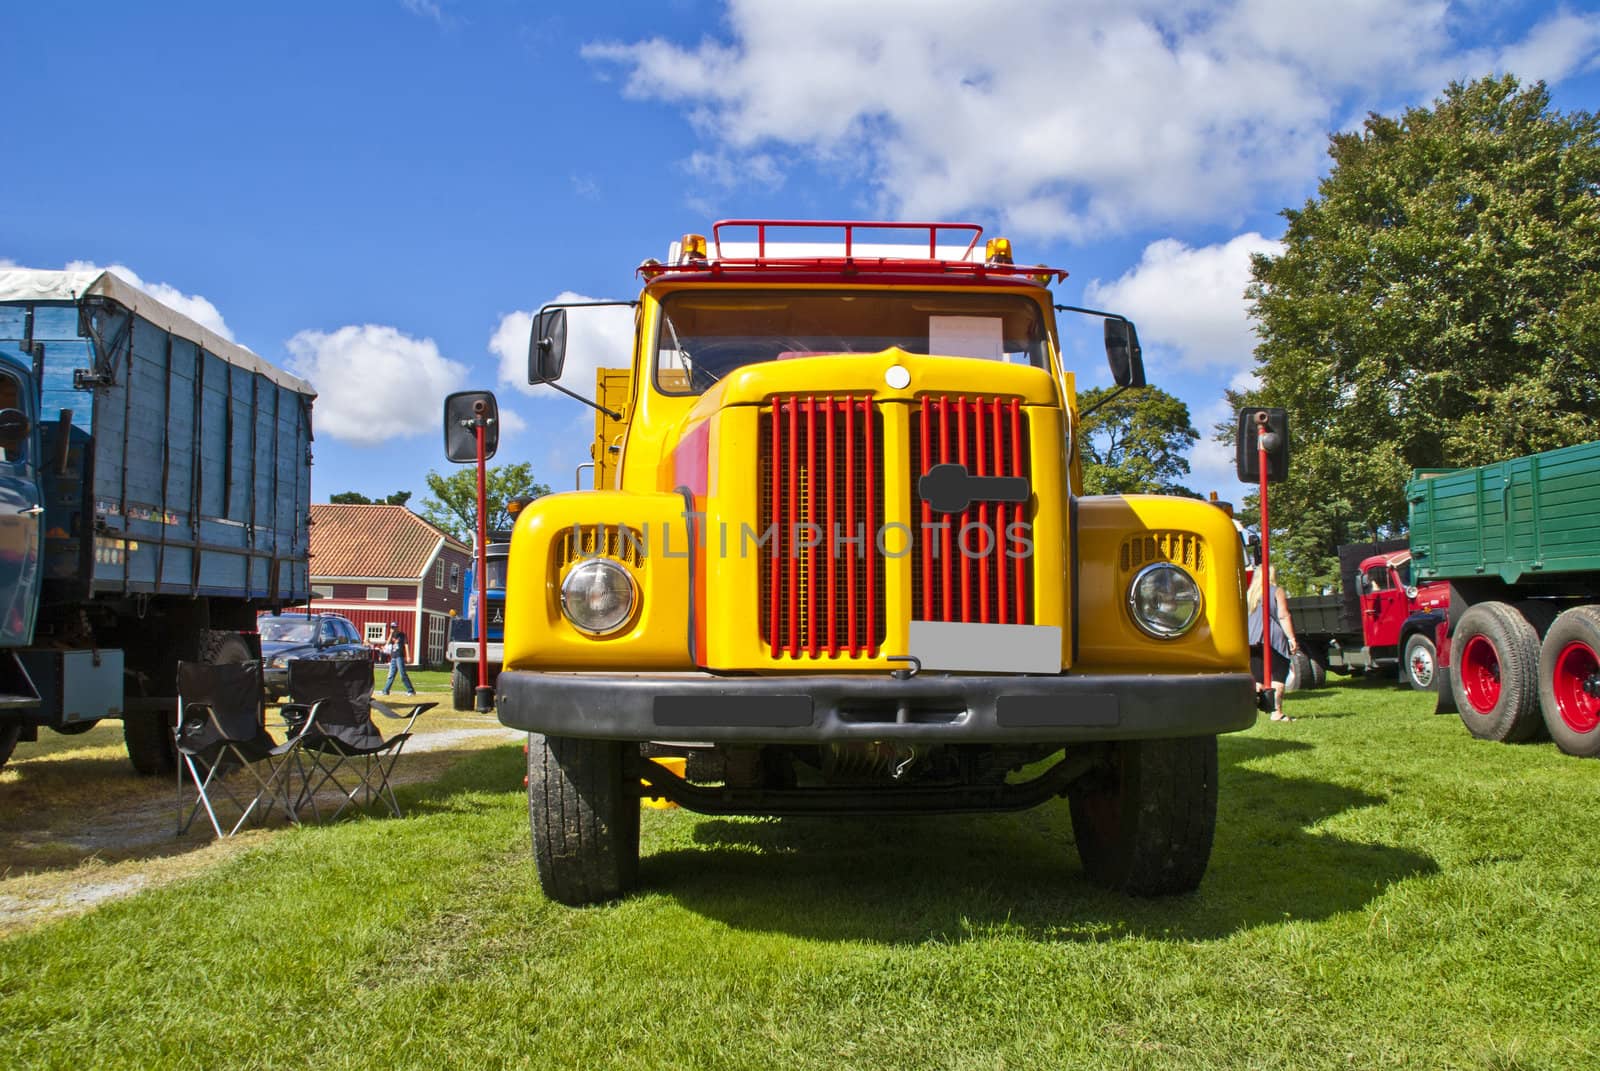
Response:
column 1379, row 619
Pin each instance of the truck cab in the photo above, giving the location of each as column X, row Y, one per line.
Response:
column 1398, row 618
column 845, row 565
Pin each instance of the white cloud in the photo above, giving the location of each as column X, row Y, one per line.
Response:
column 511, row 423
column 596, row 338
column 375, row 383
column 197, row 308
column 1190, row 300
column 1072, row 118
column 427, row 9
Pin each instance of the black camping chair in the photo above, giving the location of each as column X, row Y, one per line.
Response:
column 330, row 713
column 220, row 731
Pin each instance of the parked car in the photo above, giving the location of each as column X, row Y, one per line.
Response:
column 286, row 637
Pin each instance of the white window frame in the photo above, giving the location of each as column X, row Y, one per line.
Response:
column 374, row 631
column 455, row 576
column 322, row 591
column 438, row 574
column 378, row 594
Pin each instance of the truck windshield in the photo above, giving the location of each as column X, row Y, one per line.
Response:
column 705, row 334
column 284, row 630
column 495, row 570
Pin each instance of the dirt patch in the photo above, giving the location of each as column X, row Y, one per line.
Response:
column 79, row 828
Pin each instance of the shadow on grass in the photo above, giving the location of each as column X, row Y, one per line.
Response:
column 959, row 877
column 58, row 812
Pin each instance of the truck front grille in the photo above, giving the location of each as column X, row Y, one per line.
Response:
column 821, row 493
column 968, row 565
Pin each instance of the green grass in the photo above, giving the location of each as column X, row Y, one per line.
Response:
column 1385, row 892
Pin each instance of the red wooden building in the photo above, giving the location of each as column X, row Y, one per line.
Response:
column 377, row 564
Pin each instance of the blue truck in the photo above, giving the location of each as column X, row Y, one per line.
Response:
column 463, row 647
column 155, row 489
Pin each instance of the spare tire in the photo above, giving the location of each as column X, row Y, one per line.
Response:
column 1494, row 673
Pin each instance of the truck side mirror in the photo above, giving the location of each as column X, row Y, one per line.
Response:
column 1257, row 428
column 462, row 413
column 14, row 428
column 1123, row 353
column 547, row 348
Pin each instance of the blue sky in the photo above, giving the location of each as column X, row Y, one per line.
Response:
column 375, row 194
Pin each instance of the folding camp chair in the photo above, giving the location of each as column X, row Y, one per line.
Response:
column 220, row 731
column 330, row 711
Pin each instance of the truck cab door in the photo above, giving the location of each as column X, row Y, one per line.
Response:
column 21, row 504
column 1383, row 608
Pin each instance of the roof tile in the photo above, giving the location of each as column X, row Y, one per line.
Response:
column 380, row 541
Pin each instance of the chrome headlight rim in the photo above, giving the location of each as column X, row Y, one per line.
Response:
column 1156, row 630
column 567, row 596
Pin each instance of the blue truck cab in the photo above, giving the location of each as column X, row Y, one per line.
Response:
column 463, row 647
column 154, row 498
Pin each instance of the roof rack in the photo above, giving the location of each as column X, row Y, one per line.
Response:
column 843, row 253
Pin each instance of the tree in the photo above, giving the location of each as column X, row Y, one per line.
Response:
column 1436, row 304
column 356, row 498
column 453, row 504
column 1134, row 443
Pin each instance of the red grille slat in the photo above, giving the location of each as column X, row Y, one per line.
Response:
column 775, row 450
column 794, row 519
column 944, row 534
column 1021, row 563
column 870, row 532
column 982, row 566
column 927, row 511
column 966, row 515
column 850, row 522
column 811, row 518
column 1002, row 513
column 831, row 557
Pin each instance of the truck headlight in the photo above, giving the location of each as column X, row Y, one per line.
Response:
column 1164, row 601
column 598, row 596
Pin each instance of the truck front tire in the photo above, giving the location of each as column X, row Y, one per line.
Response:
column 1569, row 678
column 1419, row 664
column 1144, row 822
column 583, row 809
column 1494, row 665
column 463, row 686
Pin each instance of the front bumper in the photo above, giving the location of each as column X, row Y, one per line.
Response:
column 468, row 652
column 926, row 709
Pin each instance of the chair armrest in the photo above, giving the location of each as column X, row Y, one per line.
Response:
column 388, row 712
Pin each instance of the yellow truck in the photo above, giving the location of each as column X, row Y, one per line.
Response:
column 839, row 558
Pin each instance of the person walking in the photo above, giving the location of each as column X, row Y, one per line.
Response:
column 1284, row 644
column 396, row 648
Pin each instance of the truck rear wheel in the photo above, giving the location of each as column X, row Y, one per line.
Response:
column 1494, row 673
column 1569, row 681
column 147, row 734
column 1419, row 666
column 463, row 686
column 584, row 813
column 1144, row 823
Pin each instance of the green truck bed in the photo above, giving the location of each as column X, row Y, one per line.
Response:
column 1517, row 520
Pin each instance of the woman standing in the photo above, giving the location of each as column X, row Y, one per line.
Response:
column 1281, row 636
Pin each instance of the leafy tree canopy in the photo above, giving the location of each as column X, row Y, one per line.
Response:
column 1135, row 443
column 356, row 498
column 1436, row 304
column 453, row 500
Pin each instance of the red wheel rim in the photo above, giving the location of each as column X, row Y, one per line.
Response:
column 1575, row 666
column 1480, row 674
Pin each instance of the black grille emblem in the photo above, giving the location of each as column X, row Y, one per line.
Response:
column 950, row 488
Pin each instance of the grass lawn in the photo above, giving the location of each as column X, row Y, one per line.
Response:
column 1385, row 892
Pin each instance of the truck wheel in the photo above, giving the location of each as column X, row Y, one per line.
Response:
column 463, row 687
column 1569, row 681
column 1420, row 665
column 1144, row 825
column 10, row 733
column 584, row 813
column 147, row 734
column 1305, row 674
column 1493, row 673
column 1319, row 671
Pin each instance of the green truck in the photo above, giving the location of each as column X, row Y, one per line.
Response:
column 1519, row 544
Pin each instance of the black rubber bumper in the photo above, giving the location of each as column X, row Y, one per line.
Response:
column 928, row 709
